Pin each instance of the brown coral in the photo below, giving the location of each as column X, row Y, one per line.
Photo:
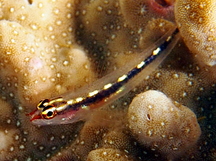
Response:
column 61, row 42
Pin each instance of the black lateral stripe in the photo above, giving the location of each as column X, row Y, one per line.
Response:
column 105, row 93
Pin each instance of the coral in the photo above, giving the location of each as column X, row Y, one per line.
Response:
column 195, row 20
column 137, row 13
column 51, row 47
column 161, row 124
column 106, row 155
column 30, row 62
column 160, row 26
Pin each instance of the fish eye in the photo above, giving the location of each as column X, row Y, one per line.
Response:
column 49, row 112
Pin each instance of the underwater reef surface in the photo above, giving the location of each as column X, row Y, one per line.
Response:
column 51, row 47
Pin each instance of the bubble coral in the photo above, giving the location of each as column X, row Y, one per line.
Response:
column 161, row 124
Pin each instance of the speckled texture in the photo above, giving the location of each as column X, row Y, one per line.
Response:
column 161, row 124
column 50, row 47
column 196, row 21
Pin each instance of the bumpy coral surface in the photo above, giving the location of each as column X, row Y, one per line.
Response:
column 196, row 21
column 49, row 47
column 161, row 124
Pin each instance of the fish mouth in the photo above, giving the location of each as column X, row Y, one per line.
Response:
column 37, row 119
column 34, row 115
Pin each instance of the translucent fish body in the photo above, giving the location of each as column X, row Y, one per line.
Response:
column 73, row 107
